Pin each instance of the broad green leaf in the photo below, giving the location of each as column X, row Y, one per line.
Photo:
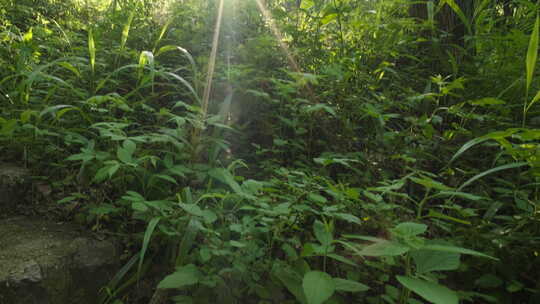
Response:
column 166, row 177
column 532, row 53
column 306, row 4
column 139, row 206
column 192, row 209
column 329, row 18
column 429, row 260
column 317, row 198
column 349, row 286
column 318, row 287
column 409, row 229
column 209, row 216
column 488, row 281
column 430, row 291
column 113, row 168
column 348, row 217
column 224, row 176
column 70, row 67
column 323, row 235
column 183, row 276
column 130, row 146
column 455, row 249
column 28, row 35
column 430, row 183
column 124, row 155
column 384, row 248
column 321, row 106
column 291, row 280
column 54, row 109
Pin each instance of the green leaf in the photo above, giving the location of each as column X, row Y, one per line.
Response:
column 124, row 155
column 488, row 281
column 348, row 217
column 146, row 240
column 306, row 4
column 341, row 259
column 192, row 209
column 130, row 146
column 317, row 198
column 432, row 292
column 533, row 101
column 532, row 53
column 429, row 260
column 464, row 195
column 167, row 178
column 492, row 170
column 139, row 206
column 318, row 287
column 457, row 10
column 323, row 235
column 224, row 176
column 28, row 35
column 237, row 244
column 180, row 299
column 183, row 276
column 494, row 135
column 125, row 31
column 291, row 280
column 329, row 18
column 349, row 286
column 409, row 229
column 91, row 50
column 384, row 248
column 70, row 67
column 430, row 183
column 190, row 235
column 488, row 101
column 436, row 214
column 455, row 249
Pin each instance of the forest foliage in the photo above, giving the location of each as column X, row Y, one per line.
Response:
column 353, row 151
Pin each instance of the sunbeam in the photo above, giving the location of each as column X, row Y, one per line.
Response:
column 277, row 33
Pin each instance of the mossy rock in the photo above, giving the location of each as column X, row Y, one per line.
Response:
column 48, row 263
column 14, row 184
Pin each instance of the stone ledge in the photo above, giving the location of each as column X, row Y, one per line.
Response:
column 47, row 263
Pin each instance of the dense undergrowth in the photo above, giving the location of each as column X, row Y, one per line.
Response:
column 390, row 157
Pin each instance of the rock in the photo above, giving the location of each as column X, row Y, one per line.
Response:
column 14, row 182
column 47, row 263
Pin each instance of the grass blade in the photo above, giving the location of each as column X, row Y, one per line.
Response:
column 457, row 10
column 187, row 241
column 125, row 31
column 146, row 240
column 532, row 53
column 492, row 170
column 161, row 34
column 494, row 135
column 92, row 50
